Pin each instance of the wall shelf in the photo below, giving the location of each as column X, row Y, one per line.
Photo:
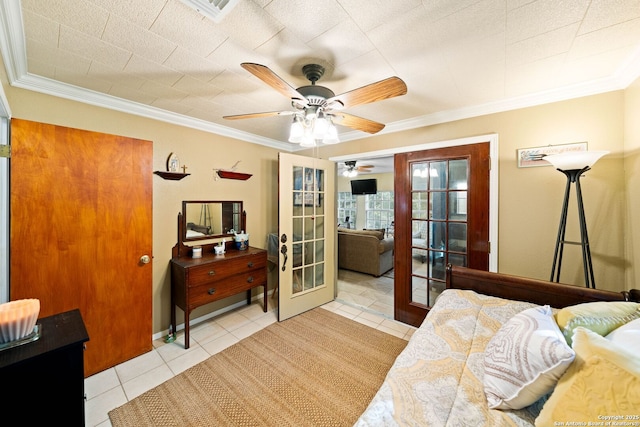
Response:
column 233, row 175
column 174, row 176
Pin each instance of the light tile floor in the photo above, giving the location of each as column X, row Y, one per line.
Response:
column 115, row 386
column 366, row 292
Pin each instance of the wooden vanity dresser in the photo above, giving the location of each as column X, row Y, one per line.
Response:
column 199, row 281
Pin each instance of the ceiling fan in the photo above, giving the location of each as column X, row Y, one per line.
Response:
column 316, row 107
column 351, row 170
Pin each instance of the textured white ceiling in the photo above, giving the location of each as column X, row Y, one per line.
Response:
column 459, row 58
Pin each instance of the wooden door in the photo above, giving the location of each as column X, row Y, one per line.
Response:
column 441, row 217
column 80, row 221
column 306, row 234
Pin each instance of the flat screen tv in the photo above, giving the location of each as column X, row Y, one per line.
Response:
column 364, row 186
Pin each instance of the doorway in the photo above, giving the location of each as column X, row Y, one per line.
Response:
column 361, row 291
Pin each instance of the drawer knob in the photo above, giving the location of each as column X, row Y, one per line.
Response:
column 250, row 264
column 250, row 279
column 211, row 291
column 211, row 273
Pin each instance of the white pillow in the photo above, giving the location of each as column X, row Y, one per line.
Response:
column 627, row 336
column 524, row 359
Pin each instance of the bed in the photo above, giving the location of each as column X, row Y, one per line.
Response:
column 462, row 365
column 196, row 230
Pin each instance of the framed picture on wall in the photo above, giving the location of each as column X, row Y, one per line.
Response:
column 532, row 157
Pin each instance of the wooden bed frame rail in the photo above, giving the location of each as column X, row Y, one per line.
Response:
column 535, row 291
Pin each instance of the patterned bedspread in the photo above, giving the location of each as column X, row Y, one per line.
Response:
column 437, row 379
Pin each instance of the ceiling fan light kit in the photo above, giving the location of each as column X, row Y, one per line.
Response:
column 318, row 107
column 308, row 128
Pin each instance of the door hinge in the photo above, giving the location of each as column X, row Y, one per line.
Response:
column 5, row 151
column 489, row 246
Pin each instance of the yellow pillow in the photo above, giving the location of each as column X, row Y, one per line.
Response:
column 600, row 317
column 603, row 380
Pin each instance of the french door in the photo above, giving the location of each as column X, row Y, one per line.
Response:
column 306, row 234
column 441, row 217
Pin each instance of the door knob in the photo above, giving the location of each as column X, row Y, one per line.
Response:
column 145, row 259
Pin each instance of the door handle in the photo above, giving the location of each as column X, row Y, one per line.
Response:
column 283, row 251
column 145, row 259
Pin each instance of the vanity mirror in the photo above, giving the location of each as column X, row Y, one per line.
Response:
column 208, row 219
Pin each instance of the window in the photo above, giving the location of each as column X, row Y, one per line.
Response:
column 347, row 209
column 379, row 210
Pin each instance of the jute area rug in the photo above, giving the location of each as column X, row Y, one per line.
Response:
column 316, row 369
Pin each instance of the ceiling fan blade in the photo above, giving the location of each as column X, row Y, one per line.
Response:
column 272, row 79
column 357, row 123
column 256, row 115
column 384, row 89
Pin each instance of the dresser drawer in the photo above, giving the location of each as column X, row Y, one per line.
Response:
column 215, row 290
column 216, row 271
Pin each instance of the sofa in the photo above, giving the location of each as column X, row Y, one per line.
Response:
column 365, row 251
column 493, row 352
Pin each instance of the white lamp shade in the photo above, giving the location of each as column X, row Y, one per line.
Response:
column 297, row 131
column 331, row 137
column 308, row 140
column 574, row 159
column 320, row 127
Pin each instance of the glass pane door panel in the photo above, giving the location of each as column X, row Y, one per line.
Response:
column 438, row 175
column 437, row 237
column 436, row 265
column 420, row 176
column 297, row 229
column 320, row 204
column 458, row 175
column 458, row 237
column 297, row 281
column 320, row 251
column 419, row 204
column 455, row 259
column 309, row 228
column 458, row 205
column 419, row 262
column 297, row 255
column 419, row 233
column 435, row 289
column 297, row 207
column 320, row 179
column 319, row 278
column 319, row 225
column 438, row 205
column 297, row 178
column 419, row 292
column 308, row 278
column 308, row 253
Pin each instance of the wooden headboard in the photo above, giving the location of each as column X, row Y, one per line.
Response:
column 540, row 292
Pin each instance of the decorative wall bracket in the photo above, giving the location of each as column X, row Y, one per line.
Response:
column 233, row 175
column 174, row 176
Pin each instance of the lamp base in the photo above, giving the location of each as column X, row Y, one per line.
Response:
column 573, row 176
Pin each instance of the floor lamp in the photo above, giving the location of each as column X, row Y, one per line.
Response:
column 573, row 165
